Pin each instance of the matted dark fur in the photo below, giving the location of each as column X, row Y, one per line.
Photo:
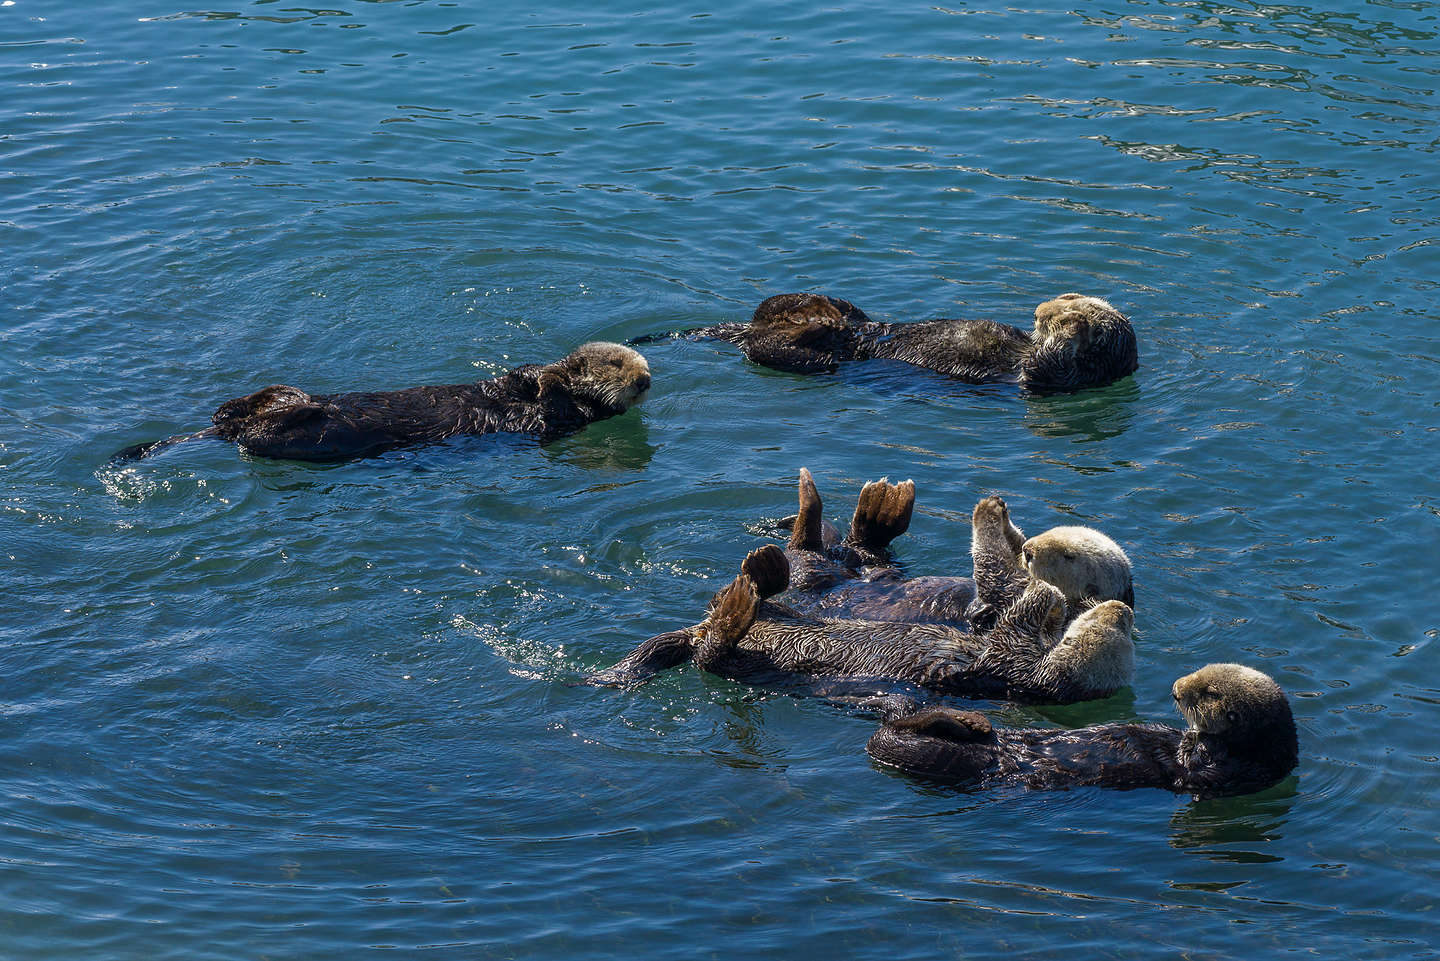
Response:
column 596, row 381
column 1077, row 342
column 1241, row 738
column 1025, row 657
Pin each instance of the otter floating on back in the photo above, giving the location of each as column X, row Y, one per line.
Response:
column 1240, row 738
column 854, row 577
column 596, row 381
column 1029, row 655
column 1076, row 342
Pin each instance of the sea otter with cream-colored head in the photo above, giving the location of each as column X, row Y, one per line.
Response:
column 854, row 577
column 1076, row 342
column 595, row 381
column 1240, row 738
column 1030, row 655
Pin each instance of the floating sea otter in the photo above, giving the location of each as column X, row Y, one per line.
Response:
column 1029, row 655
column 596, row 381
column 853, row 577
column 1077, row 342
column 1241, row 738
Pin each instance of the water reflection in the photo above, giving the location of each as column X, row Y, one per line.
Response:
column 618, row 444
column 1235, row 829
column 1096, row 414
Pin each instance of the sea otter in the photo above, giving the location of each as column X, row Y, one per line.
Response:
column 1029, row 655
column 596, row 381
column 832, row 578
column 1241, row 738
column 1076, row 342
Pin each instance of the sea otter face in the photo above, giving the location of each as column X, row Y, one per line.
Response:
column 1229, row 699
column 1081, row 562
column 1096, row 653
column 610, row 375
column 1070, row 316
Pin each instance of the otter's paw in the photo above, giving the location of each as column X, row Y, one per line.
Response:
column 732, row 611
column 768, row 568
column 991, row 513
column 881, row 514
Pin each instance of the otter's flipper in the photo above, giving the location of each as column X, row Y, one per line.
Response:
column 657, row 654
column 948, row 724
column 138, row 451
column 732, row 611
column 882, row 514
column 830, row 535
column 231, row 416
column 808, row 534
column 769, row 568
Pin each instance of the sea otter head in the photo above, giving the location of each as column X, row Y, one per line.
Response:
column 1083, row 563
column 1096, row 654
column 610, row 376
column 1232, row 701
column 1079, row 342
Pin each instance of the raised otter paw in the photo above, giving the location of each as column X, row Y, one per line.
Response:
column 990, row 512
column 768, row 568
column 732, row 611
column 882, row 514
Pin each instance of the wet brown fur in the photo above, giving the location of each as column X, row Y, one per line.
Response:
column 1241, row 738
column 1076, row 342
column 596, row 381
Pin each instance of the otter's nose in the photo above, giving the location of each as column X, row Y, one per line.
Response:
column 643, row 382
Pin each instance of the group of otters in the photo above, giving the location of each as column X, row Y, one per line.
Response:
column 1043, row 620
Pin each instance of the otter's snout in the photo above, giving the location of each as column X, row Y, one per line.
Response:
column 642, row 383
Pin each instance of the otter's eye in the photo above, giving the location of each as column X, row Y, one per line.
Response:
column 616, row 362
column 1069, row 556
column 1232, row 717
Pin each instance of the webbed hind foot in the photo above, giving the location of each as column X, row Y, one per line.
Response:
column 769, row 569
column 882, row 514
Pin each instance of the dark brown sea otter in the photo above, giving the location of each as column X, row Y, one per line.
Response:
column 1025, row 657
column 596, row 381
column 1241, row 738
column 1076, row 342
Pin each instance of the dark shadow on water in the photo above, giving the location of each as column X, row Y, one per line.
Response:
column 617, row 444
column 1117, row 708
column 1235, row 829
column 1088, row 415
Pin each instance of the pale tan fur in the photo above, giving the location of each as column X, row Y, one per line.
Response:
column 610, row 374
column 1227, row 699
column 1096, row 649
column 1064, row 315
column 1083, row 563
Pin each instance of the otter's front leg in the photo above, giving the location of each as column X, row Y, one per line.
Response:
column 882, row 513
column 732, row 612
column 995, row 546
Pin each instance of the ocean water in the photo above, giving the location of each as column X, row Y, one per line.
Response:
column 266, row 710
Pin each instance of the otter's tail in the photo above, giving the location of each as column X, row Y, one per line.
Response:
column 726, row 332
column 136, row 452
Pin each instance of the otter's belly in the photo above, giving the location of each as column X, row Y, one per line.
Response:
column 1111, row 755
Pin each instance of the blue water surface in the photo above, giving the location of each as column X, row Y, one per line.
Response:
column 261, row 709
